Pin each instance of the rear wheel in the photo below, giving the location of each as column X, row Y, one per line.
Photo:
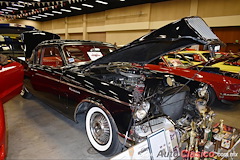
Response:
column 101, row 132
column 25, row 93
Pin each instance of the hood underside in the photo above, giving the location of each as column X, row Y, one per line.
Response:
column 179, row 34
column 32, row 38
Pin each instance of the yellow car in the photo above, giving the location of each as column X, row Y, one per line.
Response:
column 198, row 57
column 232, row 65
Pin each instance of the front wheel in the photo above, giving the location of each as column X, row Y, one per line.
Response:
column 101, row 132
column 207, row 93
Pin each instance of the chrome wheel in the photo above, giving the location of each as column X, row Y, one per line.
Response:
column 207, row 93
column 203, row 93
column 100, row 128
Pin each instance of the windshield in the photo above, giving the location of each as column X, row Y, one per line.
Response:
column 233, row 62
column 83, row 53
column 176, row 60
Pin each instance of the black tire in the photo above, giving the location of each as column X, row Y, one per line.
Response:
column 25, row 93
column 209, row 96
column 101, row 132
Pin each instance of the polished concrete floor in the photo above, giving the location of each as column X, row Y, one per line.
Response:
column 36, row 132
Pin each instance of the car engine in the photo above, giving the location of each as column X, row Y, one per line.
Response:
column 157, row 99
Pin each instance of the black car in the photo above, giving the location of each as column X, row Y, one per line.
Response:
column 123, row 103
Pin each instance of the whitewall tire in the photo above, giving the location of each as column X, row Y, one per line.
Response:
column 101, row 132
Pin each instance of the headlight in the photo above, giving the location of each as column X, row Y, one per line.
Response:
column 141, row 111
column 169, row 80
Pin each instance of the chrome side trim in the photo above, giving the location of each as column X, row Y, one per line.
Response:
column 231, row 95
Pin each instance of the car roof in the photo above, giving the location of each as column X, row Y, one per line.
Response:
column 76, row 42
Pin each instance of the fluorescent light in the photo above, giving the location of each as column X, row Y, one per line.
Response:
column 36, row 17
column 76, row 8
column 17, row 5
column 12, row 8
column 7, row 10
column 66, row 10
column 122, row 0
column 49, row 14
column 57, row 12
column 87, row 5
column 41, row 15
column 102, row 2
column 31, row 18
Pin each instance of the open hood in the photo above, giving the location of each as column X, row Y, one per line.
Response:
column 32, row 38
column 179, row 34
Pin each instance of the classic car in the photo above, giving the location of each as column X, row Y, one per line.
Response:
column 231, row 64
column 219, row 85
column 11, row 80
column 123, row 103
column 2, row 134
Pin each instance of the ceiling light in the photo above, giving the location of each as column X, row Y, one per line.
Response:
column 122, row 0
column 12, row 8
column 102, row 2
column 66, row 10
column 87, row 5
column 57, row 12
column 37, row 0
column 36, row 17
column 41, row 15
column 31, row 18
column 49, row 14
column 76, row 8
column 7, row 10
column 17, row 5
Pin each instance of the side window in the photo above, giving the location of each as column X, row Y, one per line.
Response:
column 38, row 55
column 51, row 57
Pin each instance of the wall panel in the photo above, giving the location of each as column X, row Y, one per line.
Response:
column 96, row 19
column 213, row 8
column 228, row 34
column 124, row 37
column 75, row 21
column 47, row 25
column 170, row 10
column 100, row 36
column 138, row 13
column 58, row 23
column 62, row 36
column 77, row 36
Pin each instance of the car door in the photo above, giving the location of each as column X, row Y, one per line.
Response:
column 45, row 75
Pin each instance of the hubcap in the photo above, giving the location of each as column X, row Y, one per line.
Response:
column 99, row 127
column 203, row 93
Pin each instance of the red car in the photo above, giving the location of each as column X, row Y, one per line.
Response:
column 210, row 83
column 11, row 80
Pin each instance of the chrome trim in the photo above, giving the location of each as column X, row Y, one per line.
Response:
column 231, row 95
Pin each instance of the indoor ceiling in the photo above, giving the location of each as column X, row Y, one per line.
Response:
column 43, row 10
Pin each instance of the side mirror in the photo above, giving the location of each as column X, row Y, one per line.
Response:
column 0, row 67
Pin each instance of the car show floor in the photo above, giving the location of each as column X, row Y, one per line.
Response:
column 35, row 131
